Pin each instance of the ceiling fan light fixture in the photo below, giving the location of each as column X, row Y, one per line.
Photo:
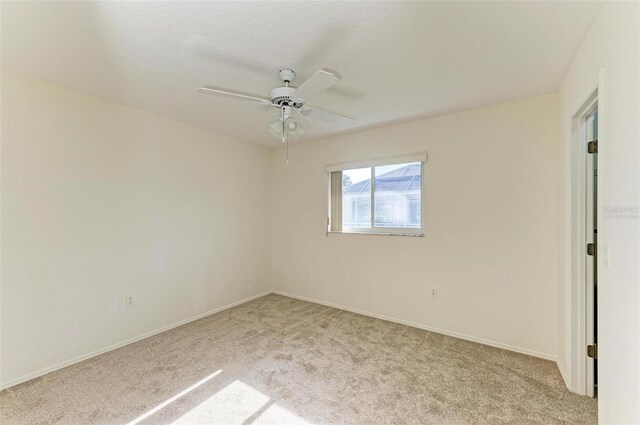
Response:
column 290, row 126
column 274, row 127
column 293, row 127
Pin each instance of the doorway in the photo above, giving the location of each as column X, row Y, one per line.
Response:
column 585, row 198
column 591, row 250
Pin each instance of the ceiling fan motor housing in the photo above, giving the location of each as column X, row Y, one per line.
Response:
column 281, row 96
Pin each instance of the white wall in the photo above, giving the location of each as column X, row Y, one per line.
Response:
column 100, row 200
column 613, row 44
column 491, row 227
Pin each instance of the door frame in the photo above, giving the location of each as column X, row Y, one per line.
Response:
column 577, row 302
column 590, row 261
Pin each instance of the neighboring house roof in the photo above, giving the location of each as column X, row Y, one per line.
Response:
column 403, row 179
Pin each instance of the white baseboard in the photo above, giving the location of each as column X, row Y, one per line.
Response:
column 496, row 344
column 78, row 359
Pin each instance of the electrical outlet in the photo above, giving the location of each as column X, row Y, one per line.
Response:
column 130, row 300
column 434, row 292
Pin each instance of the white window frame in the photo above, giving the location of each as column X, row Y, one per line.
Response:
column 335, row 196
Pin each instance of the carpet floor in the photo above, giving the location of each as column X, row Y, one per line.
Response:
column 280, row 360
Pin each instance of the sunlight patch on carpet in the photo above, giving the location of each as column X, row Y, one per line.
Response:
column 172, row 399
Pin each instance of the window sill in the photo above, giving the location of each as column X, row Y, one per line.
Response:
column 411, row 235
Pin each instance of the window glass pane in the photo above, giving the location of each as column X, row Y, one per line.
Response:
column 356, row 198
column 397, row 195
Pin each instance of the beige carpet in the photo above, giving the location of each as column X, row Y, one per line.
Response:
column 279, row 360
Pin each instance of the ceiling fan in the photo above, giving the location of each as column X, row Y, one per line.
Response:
column 289, row 100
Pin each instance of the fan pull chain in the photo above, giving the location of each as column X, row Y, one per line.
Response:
column 285, row 137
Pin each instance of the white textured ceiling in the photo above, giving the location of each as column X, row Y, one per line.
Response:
column 398, row 60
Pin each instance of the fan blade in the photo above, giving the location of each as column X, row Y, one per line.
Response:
column 323, row 115
column 319, row 82
column 233, row 95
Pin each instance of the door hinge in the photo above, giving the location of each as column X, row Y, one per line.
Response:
column 592, row 147
column 592, row 351
column 591, row 249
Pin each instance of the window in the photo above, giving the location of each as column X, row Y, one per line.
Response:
column 383, row 197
